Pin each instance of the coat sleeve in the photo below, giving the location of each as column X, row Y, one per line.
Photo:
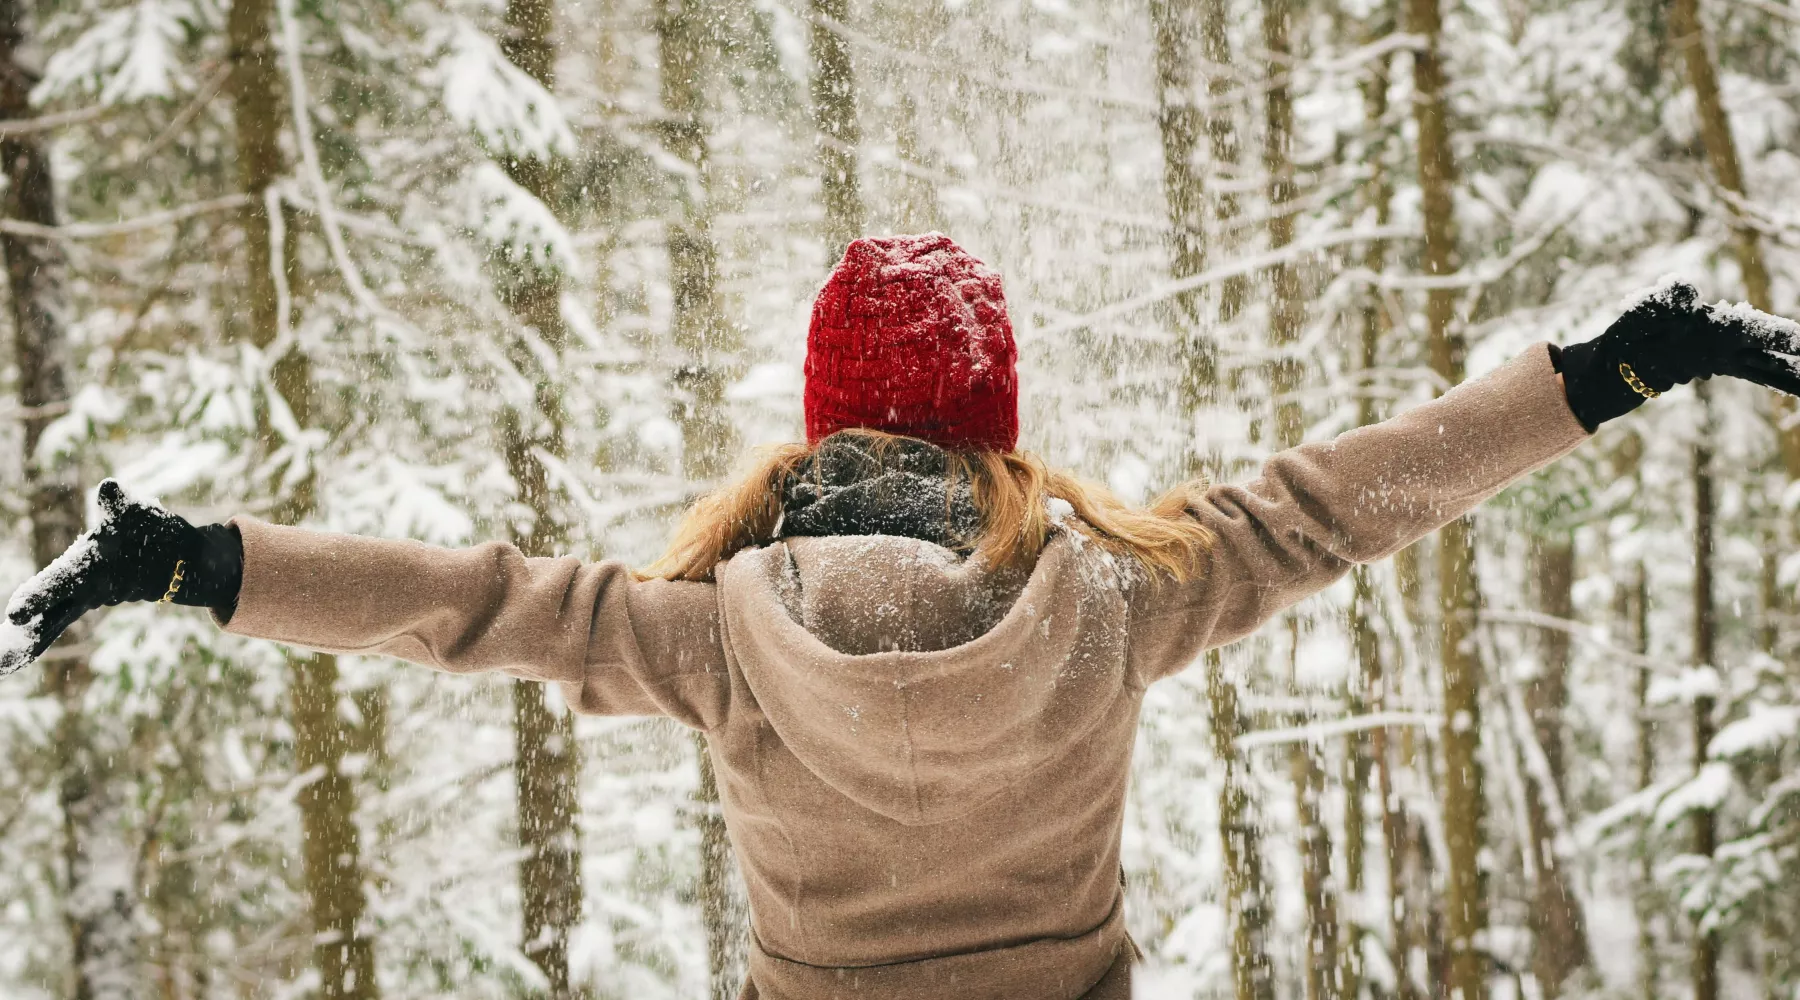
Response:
column 1320, row 508
column 616, row 645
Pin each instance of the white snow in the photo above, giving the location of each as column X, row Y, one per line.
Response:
column 1664, row 292
column 1131, row 477
column 1637, row 806
column 16, row 642
column 1690, row 685
column 767, row 382
column 1767, row 727
column 512, row 218
column 485, row 92
column 91, row 408
column 174, row 464
column 1030, row 134
column 1777, row 333
column 129, row 54
column 1705, row 790
column 77, row 557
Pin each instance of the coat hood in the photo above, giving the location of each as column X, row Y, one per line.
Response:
column 916, row 683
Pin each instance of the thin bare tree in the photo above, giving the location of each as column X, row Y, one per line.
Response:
column 1367, row 756
column 1187, row 31
column 834, row 116
column 1558, row 927
column 1458, row 594
column 1287, row 314
column 100, row 910
column 343, row 950
column 1704, row 823
column 703, row 343
column 546, row 764
column 1222, row 139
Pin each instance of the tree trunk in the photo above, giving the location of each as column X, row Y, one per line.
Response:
column 1772, row 606
column 1222, row 138
column 330, row 841
column 699, row 334
column 1559, row 934
column 918, row 211
column 1639, row 606
column 1688, row 36
column 723, row 910
column 1704, row 822
column 546, row 764
column 1322, row 971
column 1247, row 899
column 834, row 115
column 703, row 343
column 1379, row 195
column 1178, row 26
column 1287, row 314
column 343, row 952
column 1464, row 808
column 1395, row 830
column 1287, row 311
column 1358, row 773
column 100, row 900
column 1378, row 688
column 547, row 769
column 1458, row 593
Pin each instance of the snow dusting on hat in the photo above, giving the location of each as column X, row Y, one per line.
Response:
column 910, row 336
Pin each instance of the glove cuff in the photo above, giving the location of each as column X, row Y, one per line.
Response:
column 1596, row 388
column 214, row 570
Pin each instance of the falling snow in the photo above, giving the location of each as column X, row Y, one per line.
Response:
column 489, row 289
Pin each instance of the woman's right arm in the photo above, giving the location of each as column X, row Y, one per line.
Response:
column 616, row 645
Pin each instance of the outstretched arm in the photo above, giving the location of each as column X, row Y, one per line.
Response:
column 617, row 645
column 1318, row 509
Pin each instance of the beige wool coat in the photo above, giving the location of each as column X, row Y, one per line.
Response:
column 923, row 766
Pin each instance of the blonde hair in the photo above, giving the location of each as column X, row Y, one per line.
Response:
column 1012, row 492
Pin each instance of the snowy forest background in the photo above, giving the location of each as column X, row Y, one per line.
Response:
column 540, row 269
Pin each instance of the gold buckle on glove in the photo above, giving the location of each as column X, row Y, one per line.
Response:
column 1637, row 384
column 174, row 583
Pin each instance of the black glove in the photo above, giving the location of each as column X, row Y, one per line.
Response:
column 1667, row 339
column 140, row 552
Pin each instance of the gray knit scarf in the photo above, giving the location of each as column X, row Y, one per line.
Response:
column 851, row 487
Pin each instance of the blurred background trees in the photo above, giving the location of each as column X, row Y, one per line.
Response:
column 540, row 270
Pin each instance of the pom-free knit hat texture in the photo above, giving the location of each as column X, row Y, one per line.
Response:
column 910, row 336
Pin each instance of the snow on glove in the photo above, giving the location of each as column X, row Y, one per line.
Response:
column 1667, row 338
column 140, row 552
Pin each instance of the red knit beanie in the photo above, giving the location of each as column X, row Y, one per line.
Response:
column 910, row 336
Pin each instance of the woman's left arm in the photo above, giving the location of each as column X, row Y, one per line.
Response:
column 1318, row 509
column 617, row 645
